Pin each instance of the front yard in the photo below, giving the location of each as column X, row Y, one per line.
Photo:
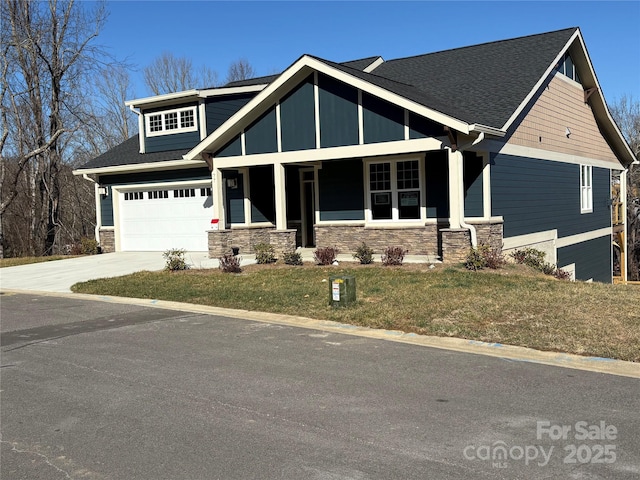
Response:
column 514, row 306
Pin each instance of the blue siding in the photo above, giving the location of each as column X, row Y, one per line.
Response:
column 261, row 137
column 106, row 209
column 175, row 141
column 261, row 185
column 341, row 190
column 231, row 149
column 473, row 194
column 292, row 185
column 106, row 203
column 437, row 184
column 338, row 105
column 297, row 118
column 220, row 109
column 382, row 121
column 420, row 127
column 535, row 195
column 171, row 141
column 234, row 197
column 592, row 259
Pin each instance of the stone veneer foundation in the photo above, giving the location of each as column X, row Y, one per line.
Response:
column 107, row 240
column 244, row 239
column 421, row 240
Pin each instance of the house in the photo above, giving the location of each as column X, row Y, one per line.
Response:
column 507, row 143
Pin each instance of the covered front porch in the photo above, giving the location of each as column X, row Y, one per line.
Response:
column 434, row 203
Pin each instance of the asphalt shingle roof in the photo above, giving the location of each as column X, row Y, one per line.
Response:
column 128, row 153
column 482, row 83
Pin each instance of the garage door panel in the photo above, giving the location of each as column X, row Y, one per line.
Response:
column 158, row 224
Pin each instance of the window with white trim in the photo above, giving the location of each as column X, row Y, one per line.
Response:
column 395, row 189
column 586, row 189
column 178, row 120
column 568, row 68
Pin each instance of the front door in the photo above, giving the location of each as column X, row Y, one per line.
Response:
column 308, row 206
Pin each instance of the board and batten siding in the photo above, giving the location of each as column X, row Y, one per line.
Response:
column 220, row 109
column 106, row 202
column 297, row 118
column 591, row 258
column 338, row 109
column 234, row 196
column 559, row 106
column 536, row 195
column 473, row 185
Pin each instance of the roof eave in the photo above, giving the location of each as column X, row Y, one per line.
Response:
column 141, row 167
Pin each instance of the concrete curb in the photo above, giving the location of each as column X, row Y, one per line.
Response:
column 507, row 352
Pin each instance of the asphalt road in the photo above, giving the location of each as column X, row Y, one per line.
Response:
column 94, row 390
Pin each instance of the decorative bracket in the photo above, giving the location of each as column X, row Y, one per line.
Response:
column 588, row 92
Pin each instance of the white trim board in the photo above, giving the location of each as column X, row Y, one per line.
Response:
column 518, row 241
column 582, row 237
column 143, row 167
column 536, row 153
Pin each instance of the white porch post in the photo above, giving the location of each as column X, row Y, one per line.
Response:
column 455, row 186
column 280, row 196
column 623, row 197
column 217, row 191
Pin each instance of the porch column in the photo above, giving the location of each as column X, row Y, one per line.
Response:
column 280, row 196
column 217, row 191
column 455, row 186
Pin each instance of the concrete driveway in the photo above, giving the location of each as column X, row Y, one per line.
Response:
column 59, row 275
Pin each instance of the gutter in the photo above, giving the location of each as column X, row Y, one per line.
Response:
column 472, row 230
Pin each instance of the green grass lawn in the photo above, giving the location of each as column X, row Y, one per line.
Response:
column 14, row 262
column 511, row 306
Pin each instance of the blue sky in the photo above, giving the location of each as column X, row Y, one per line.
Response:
column 272, row 35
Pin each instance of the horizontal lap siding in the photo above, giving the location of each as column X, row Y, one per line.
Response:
column 234, row 197
column 592, row 259
column 175, row 141
column 534, row 195
column 106, row 202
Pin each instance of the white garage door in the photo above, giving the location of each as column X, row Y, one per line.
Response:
column 157, row 219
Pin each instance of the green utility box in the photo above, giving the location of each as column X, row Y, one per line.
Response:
column 342, row 290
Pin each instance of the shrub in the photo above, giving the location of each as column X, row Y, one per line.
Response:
column 364, row 253
column 89, row 246
column 484, row 257
column 325, row 255
column 230, row 263
column 562, row 274
column 474, row 261
column 530, row 256
column 265, row 253
column 292, row 258
column 393, row 256
column 175, row 260
column 548, row 268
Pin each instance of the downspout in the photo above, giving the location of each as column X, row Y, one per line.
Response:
column 472, row 229
column 96, row 232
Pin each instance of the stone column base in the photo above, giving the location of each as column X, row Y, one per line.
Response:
column 222, row 242
column 456, row 243
column 107, row 240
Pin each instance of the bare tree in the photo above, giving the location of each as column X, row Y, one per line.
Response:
column 168, row 74
column 626, row 112
column 241, row 69
column 46, row 60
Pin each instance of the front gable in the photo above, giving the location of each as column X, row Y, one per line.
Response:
column 309, row 108
column 321, row 112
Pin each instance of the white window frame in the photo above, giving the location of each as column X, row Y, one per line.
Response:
column 395, row 211
column 163, row 117
column 586, row 189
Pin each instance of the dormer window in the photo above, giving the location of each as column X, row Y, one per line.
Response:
column 179, row 120
column 567, row 68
